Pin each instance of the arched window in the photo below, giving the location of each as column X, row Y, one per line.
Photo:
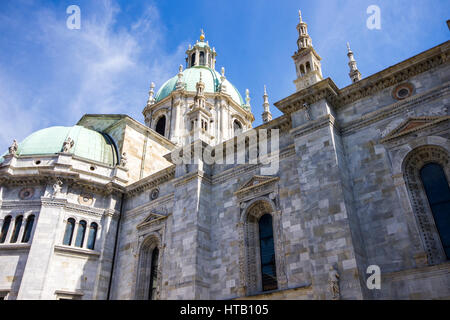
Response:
column 28, row 228
column 193, row 60
column 426, row 172
column 70, row 226
column 438, row 194
column 5, row 228
column 302, row 70
column 153, row 274
column 80, row 234
column 92, row 236
column 237, row 127
column 267, row 252
column 16, row 231
column 161, row 126
column 261, row 254
column 202, row 58
column 308, row 67
column 147, row 273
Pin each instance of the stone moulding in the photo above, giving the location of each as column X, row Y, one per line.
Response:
column 327, row 120
column 165, row 201
column 76, row 252
column 63, row 203
column 414, row 124
column 369, row 86
column 154, row 180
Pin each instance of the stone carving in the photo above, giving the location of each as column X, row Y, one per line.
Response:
column 68, row 145
column 154, row 194
column 86, row 199
column 123, row 160
column 26, row 193
column 13, row 148
column 57, row 186
column 333, row 283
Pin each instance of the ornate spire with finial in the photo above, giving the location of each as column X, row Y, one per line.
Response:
column 354, row 74
column 202, row 35
column 180, row 82
column 223, row 87
column 304, row 40
column 247, row 98
column 199, row 98
column 306, row 59
column 151, row 99
column 266, row 115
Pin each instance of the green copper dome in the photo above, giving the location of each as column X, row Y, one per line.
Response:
column 210, row 77
column 89, row 144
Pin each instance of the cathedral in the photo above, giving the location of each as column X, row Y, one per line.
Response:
column 344, row 196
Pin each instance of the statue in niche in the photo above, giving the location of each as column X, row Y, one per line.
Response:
column 333, row 282
column 57, row 186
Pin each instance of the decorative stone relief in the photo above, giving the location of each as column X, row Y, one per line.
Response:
column 57, row 186
column 26, row 193
column 333, row 283
column 86, row 199
column 154, row 194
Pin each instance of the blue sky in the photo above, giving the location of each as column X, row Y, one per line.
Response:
column 50, row 75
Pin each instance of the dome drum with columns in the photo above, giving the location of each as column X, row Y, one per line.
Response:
column 174, row 111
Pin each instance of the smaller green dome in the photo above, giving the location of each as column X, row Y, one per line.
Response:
column 88, row 144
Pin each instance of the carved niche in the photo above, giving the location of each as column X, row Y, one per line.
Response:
column 256, row 197
column 429, row 234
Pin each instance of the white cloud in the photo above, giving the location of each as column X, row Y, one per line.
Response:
column 102, row 68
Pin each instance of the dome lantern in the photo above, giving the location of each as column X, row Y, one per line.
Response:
column 201, row 54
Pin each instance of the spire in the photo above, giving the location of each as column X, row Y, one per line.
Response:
column 354, row 74
column 247, row 99
column 304, row 40
column 202, row 35
column 200, row 96
column 151, row 99
column 307, row 61
column 201, row 54
column 266, row 115
column 223, row 87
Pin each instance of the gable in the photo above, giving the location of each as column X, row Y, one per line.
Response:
column 412, row 125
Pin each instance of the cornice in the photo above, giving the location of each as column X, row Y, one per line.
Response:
column 153, row 180
column 148, row 206
column 192, row 176
column 327, row 120
column 68, row 206
column 23, row 204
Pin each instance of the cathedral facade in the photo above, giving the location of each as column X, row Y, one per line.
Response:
column 358, row 187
